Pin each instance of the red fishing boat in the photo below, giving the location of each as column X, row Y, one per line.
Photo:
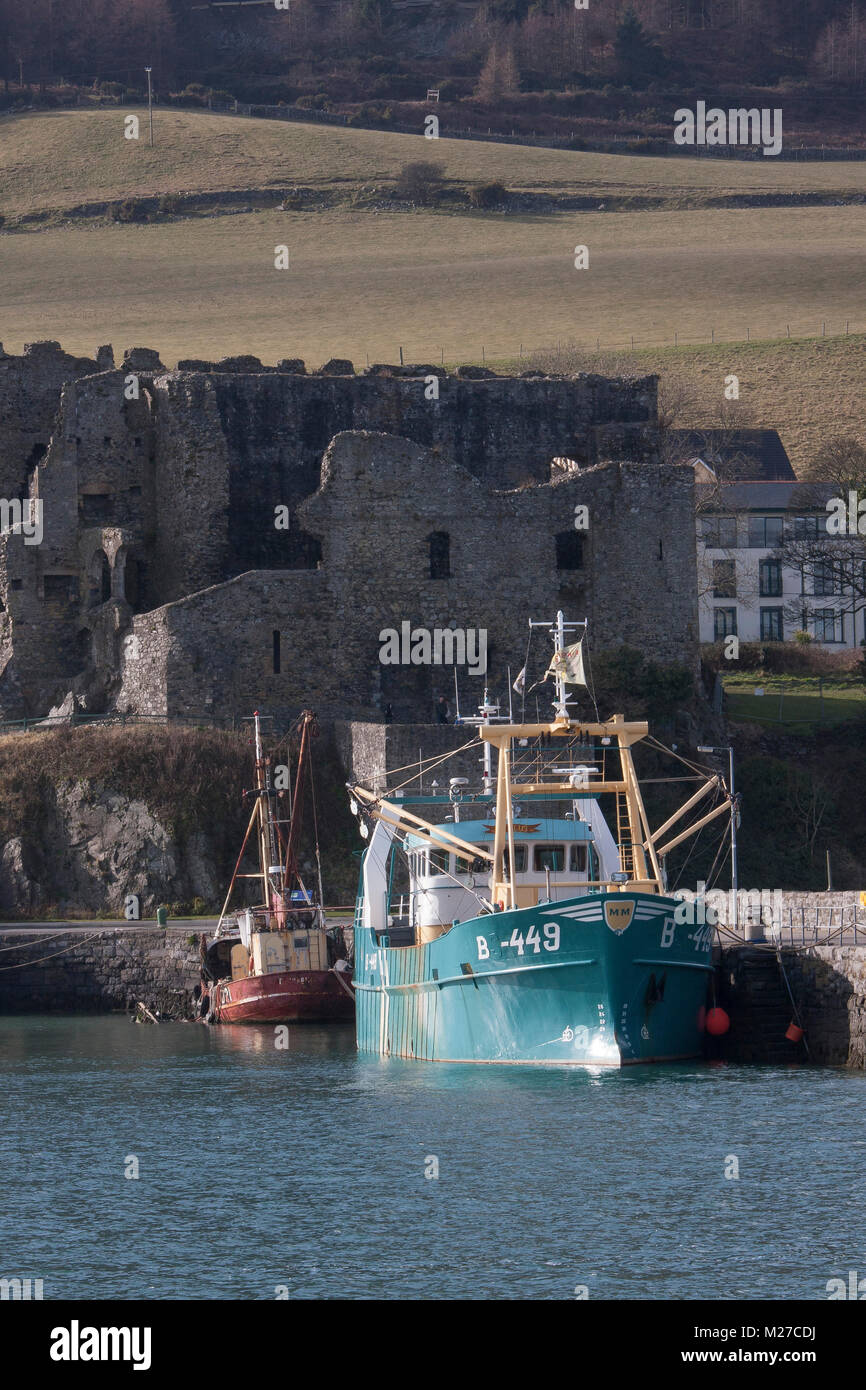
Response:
column 279, row 961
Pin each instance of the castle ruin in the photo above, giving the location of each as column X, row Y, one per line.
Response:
column 228, row 536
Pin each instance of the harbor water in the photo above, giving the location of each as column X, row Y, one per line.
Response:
column 310, row 1171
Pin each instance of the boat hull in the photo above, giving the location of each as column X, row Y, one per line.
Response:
column 311, row 996
column 608, row 979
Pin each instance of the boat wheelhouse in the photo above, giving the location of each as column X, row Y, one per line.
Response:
column 278, row 961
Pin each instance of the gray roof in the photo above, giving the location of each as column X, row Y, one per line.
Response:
column 766, row 496
column 753, row 454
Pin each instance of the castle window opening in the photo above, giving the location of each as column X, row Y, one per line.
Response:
column 276, row 651
column 60, row 588
column 100, row 580
column 440, row 555
column 569, row 551
column 661, row 551
column 95, row 508
column 132, row 585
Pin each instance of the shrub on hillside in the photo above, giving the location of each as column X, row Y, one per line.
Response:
column 798, row 658
column 488, row 195
column 623, row 677
column 421, row 182
column 131, row 210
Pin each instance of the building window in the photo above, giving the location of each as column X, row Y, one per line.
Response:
column 724, row 623
column 772, row 629
column 827, row 625
column 765, row 532
column 440, row 555
column 823, row 577
column 770, row 572
column 724, row 579
column 569, row 550
column 805, row 527
column 276, row 651
column 720, row 532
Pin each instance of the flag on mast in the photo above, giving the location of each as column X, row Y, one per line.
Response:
column 520, row 683
column 568, row 664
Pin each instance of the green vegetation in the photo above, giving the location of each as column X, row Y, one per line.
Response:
column 801, row 701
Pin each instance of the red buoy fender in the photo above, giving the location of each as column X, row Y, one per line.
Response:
column 718, row 1023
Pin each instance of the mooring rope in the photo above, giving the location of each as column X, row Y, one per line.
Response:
column 25, row 965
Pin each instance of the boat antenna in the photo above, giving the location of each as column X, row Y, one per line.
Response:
column 557, row 632
column 456, row 697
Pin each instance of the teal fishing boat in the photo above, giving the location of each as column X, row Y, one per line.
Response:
column 524, row 930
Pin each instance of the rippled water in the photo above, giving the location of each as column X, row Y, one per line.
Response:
column 305, row 1167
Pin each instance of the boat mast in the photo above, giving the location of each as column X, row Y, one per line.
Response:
column 263, row 797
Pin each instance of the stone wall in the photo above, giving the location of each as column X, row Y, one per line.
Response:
column 828, row 984
column 111, row 970
column 30, row 388
column 170, row 496
column 214, row 651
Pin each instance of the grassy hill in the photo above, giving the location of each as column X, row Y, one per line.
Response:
column 58, row 158
column 671, row 257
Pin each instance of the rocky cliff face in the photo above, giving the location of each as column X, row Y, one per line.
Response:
column 89, row 816
column 96, row 846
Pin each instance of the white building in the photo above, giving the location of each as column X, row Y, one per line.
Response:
column 743, row 586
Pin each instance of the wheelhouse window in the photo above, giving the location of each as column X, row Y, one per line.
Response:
column 550, row 857
column 724, row 623
column 477, row 866
column 439, row 861
column 577, row 859
column 519, row 860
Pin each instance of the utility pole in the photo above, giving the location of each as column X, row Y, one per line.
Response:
column 150, row 102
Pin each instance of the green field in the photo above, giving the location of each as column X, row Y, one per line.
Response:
column 793, row 701
column 442, row 285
